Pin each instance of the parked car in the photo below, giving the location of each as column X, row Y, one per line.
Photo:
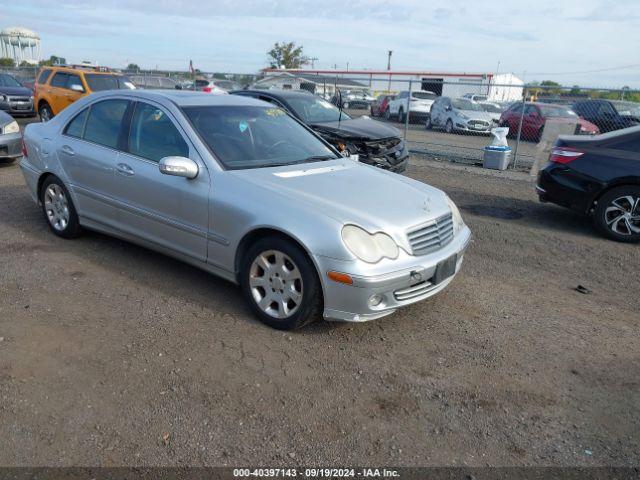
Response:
column 380, row 104
column 475, row 97
column 608, row 115
column 364, row 139
column 263, row 202
column 58, row 87
column 600, row 176
column 354, row 99
column 209, row 86
column 493, row 109
column 418, row 107
column 459, row 115
column 15, row 99
column 154, row 82
column 10, row 138
column 535, row 116
column 227, row 85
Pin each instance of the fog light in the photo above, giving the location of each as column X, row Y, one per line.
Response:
column 375, row 300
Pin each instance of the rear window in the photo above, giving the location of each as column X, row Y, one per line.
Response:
column 424, row 95
column 98, row 83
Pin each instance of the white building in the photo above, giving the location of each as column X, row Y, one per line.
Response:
column 20, row 44
column 502, row 87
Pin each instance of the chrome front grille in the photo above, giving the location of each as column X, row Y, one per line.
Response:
column 13, row 99
column 431, row 237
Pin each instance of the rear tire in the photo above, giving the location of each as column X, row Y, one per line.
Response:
column 281, row 284
column 387, row 114
column 58, row 208
column 427, row 123
column 45, row 112
column 617, row 214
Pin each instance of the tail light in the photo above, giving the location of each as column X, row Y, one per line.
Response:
column 564, row 155
column 207, row 89
column 25, row 153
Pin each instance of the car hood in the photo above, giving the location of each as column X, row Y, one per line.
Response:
column 350, row 192
column 18, row 91
column 475, row 115
column 362, row 128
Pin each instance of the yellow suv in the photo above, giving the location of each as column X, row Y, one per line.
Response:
column 58, row 87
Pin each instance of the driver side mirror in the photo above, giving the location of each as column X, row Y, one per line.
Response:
column 77, row 88
column 179, row 167
column 449, row 108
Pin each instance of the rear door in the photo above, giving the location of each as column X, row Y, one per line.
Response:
column 168, row 211
column 88, row 151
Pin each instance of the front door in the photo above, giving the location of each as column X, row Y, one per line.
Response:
column 65, row 88
column 168, row 211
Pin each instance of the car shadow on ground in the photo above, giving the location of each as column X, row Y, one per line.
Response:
column 531, row 213
column 159, row 272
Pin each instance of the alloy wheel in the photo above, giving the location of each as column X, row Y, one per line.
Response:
column 56, row 206
column 45, row 114
column 622, row 215
column 276, row 284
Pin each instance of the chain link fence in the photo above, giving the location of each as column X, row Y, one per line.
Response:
column 449, row 120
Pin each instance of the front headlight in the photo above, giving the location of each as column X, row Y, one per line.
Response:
column 370, row 248
column 458, row 222
column 12, row 127
column 3, row 98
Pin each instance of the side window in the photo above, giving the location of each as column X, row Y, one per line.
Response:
column 153, row 135
column 75, row 128
column 605, row 108
column 104, row 122
column 74, row 80
column 530, row 110
column 44, row 76
column 60, row 80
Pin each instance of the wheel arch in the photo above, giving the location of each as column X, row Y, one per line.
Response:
column 262, row 232
column 41, row 181
column 42, row 102
column 622, row 182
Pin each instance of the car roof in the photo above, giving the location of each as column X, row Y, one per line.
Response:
column 285, row 94
column 185, row 98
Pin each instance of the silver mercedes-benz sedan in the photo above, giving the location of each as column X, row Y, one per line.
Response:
column 241, row 189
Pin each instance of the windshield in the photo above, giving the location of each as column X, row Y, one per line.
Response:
column 8, row 81
column 254, row 137
column 227, row 85
column 424, row 95
column 490, row 107
column 557, row 111
column 464, row 104
column 312, row 109
column 627, row 108
column 99, row 82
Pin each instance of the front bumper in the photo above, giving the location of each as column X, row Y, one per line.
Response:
column 407, row 280
column 10, row 145
column 18, row 107
column 473, row 128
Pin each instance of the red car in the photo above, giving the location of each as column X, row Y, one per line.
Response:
column 535, row 116
column 380, row 105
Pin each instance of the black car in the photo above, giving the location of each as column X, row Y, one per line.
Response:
column 14, row 98
column 600, row 176
column 608, row 115
column 375, row 143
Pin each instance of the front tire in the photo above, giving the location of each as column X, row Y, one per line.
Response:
column 401, row 115
column 617, row 215
column 427, row 124
column 281, row 284
column 448, row 127
column 58, row 209
column 45, row 112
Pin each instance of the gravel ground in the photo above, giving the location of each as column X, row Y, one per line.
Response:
column 111, row 354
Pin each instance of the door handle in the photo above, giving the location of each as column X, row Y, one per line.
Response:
column 68, row 150
column 124, row 169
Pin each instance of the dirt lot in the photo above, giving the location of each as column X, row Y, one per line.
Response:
column 114, row 355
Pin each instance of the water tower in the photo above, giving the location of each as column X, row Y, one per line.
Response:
column 20, row 44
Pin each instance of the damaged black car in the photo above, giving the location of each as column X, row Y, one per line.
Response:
column 363, row 139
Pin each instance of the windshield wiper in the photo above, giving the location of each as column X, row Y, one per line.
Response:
column 317, row 158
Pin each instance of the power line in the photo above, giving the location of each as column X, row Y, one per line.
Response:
column 622, row 67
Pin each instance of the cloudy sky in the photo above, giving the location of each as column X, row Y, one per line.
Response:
column 591, row 42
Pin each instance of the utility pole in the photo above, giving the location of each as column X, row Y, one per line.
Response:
column 389, row 60
column 313, row 61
